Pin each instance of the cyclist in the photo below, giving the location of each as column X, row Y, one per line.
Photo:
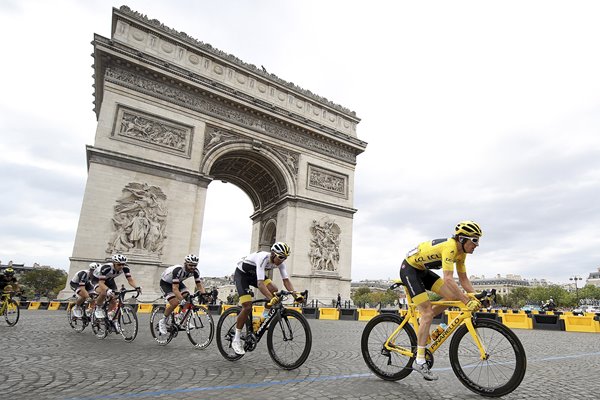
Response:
column 171, row 284
column 417, row 276
column 103, row 280
column 83, row 288
column 8, row 280
column 251, row 272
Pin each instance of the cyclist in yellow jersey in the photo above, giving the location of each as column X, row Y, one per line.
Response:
column 417, row 276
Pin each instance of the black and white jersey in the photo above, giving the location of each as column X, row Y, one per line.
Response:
column 82, row 277
column 177, row 274
column 260, row 262
column 108, row 271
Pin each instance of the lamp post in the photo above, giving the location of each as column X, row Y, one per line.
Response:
column 576, row 278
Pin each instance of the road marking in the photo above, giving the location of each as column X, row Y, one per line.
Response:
column 279, row 383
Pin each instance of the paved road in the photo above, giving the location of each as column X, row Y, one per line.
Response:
column 42, row 358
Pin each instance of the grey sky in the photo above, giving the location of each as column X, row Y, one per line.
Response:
column 472, row 110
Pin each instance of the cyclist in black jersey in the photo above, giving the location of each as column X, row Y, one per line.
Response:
column 104, row 281
column 172, row 286
column 417, row 276
column 81, row 283
column 251, row 272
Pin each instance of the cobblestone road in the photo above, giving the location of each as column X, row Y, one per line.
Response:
column 42, row 358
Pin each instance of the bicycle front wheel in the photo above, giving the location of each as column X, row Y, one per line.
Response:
column 387, row 364
column 200, row 328
column 226, row 332
column 11, row 312
column 78, row 324
column 128, row 323
column 289, row 339
column 504, row 365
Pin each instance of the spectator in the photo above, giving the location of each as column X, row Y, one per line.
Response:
column 338, row 304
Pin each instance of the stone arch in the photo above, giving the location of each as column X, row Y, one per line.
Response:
column 257, row 171
column 173, row 115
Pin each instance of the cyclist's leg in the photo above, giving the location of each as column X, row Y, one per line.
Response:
column 243, row 281
column 101, row 289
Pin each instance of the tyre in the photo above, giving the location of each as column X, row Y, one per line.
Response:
column 78, row 324
column 226, row 332
column 289, row 339
column 99, row 327
column 200, row 328
column 11, row 312
column 157, row 315
column 386, row 364
column 128, row 323
column 504, row 367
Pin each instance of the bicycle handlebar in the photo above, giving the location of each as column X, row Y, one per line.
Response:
column 123, row 292
column 283, row 293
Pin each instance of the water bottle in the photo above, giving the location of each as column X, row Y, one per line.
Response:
column 437, row 331
column 111, row 314
column 179, row 318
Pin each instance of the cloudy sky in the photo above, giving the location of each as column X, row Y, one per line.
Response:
column 472, row 110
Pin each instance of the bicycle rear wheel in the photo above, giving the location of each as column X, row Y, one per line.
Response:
column 226, row 332
column 128, row 323
column 157, row 315
column 78, row 324
column 11, row 312
column 289, row 339
column 504, row 366
column 200, row 328
column 386, row 364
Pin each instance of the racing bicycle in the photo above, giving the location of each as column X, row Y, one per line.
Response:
column 80, row 323
column 289, row 338
column 192, row 318
column 486, row 356
column 9, row 308
column 121, row 320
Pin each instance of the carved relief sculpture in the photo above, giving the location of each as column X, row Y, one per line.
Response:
column 139, row 220
column 324, row 251
column 327, row 181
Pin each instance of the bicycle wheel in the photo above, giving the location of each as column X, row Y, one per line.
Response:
column 386, row 364
column 128, row 323
column 289, row 339
column 226, row 332
column 200, row 328
column 99, row 327
column 11, row 312
column 157, row 315
column 504, row 366
column 78, row 324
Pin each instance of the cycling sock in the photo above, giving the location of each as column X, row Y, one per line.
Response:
column 420, row 355
column 238, row 333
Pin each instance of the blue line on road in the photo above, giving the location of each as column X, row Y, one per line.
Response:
column 278, row 383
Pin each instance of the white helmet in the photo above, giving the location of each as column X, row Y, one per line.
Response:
column 94, row 265
column 192, row 259
column 119, row 259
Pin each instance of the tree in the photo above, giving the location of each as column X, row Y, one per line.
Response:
column 46, row 281
column 518, row 297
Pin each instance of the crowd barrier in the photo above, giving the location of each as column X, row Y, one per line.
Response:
column 515, row 319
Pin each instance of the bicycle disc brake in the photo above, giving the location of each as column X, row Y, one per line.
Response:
column 250, row 342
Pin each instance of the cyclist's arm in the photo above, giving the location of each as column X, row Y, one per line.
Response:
column 176, row 291
column 264, row 290
column 131, row 282
column 288, row 285
column 465, row 282
column 450, row 283
column 200, row 287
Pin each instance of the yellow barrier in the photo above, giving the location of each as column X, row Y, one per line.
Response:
column 257, row 310
column 54, row 305
column 329, row 313
column 518, row 321
column 145, row 308
column 581, row 323
column 365, row 314
column 225, row 307
column 34, row 305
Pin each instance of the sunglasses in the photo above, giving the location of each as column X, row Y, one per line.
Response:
column 280, row 257
column 472, row 239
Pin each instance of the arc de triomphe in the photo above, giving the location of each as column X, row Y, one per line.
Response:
column 175, row 113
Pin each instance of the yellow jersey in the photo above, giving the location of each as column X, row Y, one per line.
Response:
column 437, row 254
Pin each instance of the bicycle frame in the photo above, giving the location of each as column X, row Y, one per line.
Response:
column 188, row 309
column 465, row 317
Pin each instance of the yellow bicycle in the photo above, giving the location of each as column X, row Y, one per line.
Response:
column 485, row 355
column 9, row 308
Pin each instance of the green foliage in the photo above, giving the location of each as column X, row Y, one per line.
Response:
column 363, row 296
column 45, row 280
column 539, row 295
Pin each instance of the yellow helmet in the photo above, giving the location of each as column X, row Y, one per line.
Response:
column 468, row 228
column 9, row 271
